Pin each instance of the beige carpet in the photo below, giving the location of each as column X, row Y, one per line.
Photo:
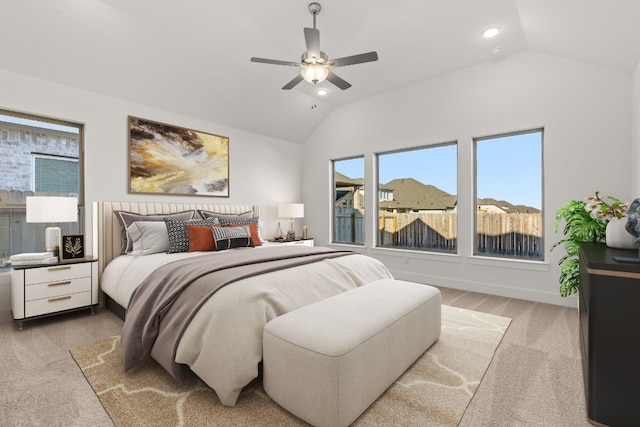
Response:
column 435, row 391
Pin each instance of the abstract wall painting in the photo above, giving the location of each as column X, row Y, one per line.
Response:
column 171, row 160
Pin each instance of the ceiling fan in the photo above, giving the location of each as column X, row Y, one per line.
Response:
column 315, row 64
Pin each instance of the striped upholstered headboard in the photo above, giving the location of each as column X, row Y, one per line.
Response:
column 106, row 229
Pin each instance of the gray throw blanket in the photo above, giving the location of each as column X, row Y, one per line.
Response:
column 162, row 306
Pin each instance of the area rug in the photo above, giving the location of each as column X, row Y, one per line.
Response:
column 434, row 391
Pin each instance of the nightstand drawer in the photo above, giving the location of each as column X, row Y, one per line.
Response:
column 58, row 303
column 56, row 273
column 60, row 287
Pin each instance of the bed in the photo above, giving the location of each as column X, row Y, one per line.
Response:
column 222, row 342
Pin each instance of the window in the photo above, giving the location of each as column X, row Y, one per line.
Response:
column 417, row 198
column 509, row 195
column 37, row 156
column 348, row 201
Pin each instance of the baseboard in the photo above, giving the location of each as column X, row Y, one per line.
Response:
column 491, row 289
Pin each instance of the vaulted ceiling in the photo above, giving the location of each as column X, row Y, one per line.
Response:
column 191, row 57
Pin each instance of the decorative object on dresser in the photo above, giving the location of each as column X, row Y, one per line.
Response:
column 168, row 159
column 72, row 247
column 291, row 211
column 44, row 209
column 585, row 221
column 609, row 341
column 41, row 290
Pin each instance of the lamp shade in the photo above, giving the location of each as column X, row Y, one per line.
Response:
column 291, row 210
column 314, row 73
column 52, row 209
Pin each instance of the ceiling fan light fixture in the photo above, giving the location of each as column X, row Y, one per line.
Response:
column 314, row 73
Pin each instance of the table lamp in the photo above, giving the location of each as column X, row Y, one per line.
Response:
column 52, row 210
column 291, row 211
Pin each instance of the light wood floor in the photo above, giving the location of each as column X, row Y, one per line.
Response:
column 535, row 378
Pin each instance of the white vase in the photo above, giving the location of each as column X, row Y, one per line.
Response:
column 618, row 236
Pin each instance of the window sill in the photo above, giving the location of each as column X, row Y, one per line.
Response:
column 520, row 264
column 422, row 255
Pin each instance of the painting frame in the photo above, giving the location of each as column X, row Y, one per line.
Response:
column 72, row 248
column 166, row 159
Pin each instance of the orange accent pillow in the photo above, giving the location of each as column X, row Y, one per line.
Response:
column 253, row 229
column 200, row 238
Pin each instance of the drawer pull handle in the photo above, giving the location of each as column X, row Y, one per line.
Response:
column 59, row 298
column 68, row 282
column 65, row 267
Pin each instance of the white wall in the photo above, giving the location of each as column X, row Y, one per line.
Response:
column 635, row 121
column 262, row 170
column 586, row 114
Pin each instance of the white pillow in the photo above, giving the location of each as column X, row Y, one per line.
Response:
column 148, row 237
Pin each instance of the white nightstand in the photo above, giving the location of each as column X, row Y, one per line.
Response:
column 43, row 290
column 305, row 242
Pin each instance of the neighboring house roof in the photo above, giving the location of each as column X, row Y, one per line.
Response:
column 343, row 180
column 409, row 193
column 508, row 207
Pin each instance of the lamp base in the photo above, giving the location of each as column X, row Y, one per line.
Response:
column 52, row 240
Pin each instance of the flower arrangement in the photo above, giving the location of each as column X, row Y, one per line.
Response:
column 600, row 209
column 585, row 221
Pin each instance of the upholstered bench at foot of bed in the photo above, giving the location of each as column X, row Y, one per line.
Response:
column 328, row 361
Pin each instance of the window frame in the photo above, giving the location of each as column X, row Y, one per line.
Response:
column 376, row 194
column 333, row 204
column 16, row 208
column 474, row 231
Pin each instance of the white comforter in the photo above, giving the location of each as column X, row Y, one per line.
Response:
column 223, row 343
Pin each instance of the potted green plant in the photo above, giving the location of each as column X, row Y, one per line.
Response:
column 585, row 221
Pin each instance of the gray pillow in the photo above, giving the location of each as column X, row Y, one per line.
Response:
column 125, row 219
column 209, row 214
column 148, row 237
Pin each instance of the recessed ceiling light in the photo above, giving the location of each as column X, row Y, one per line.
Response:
column 321, row 91
column 491, row 32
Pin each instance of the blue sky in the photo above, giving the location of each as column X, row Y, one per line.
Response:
column 509, row 168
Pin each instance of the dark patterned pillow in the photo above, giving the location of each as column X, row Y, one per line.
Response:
column 251, row 222
column 232, row 237
column 127, row 218
column 178, row 236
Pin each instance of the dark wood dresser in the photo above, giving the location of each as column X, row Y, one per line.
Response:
column 609, row 304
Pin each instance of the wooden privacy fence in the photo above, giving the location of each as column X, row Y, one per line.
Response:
column 436, row 231
column 517, row 234
column 348, row 226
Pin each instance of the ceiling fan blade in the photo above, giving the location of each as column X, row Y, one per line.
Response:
column 312, row 39
column 342, row 84
column 297, row 79
column 355, row 59
column 275, row 62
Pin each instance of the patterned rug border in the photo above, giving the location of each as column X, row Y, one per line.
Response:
column 435, row 369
